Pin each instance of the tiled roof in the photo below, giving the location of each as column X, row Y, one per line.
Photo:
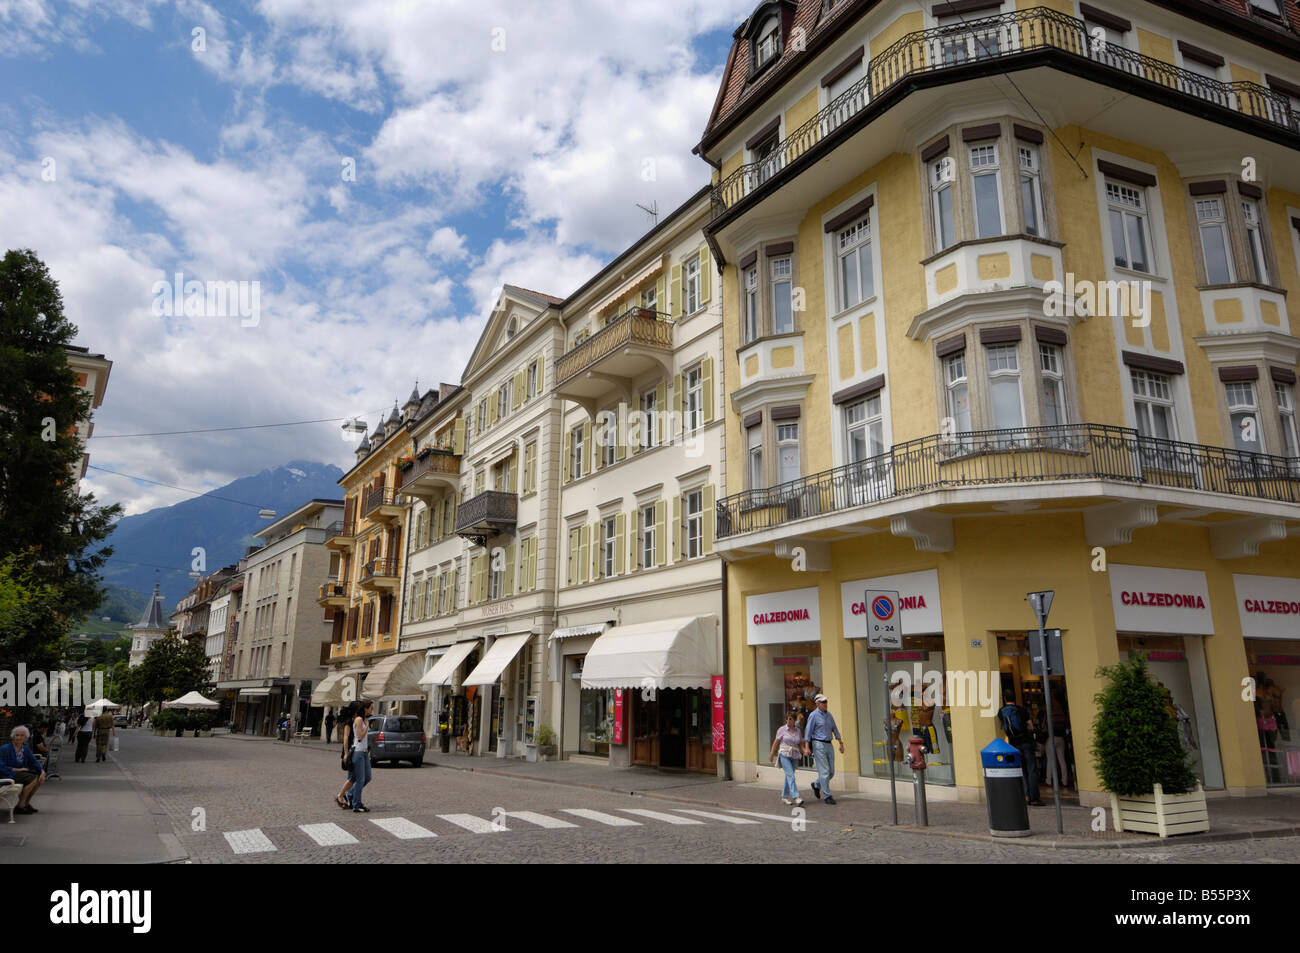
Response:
column 537, row 294
column 738, row 93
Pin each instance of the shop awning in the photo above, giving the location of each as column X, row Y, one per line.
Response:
column 502, row 653
column 254, row 692
column 396, row 677
column 574, row 631
column 445, row 667
column 673, row 653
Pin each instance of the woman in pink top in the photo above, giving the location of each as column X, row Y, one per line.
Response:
column 786, row 743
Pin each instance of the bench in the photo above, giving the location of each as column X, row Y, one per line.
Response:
column 302, row 737
column 10, row 792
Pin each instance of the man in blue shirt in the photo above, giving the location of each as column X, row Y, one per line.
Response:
column 19, row 764
column 817, row 734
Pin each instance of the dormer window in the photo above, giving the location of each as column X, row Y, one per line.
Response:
column 768, row 42
column 512, row 326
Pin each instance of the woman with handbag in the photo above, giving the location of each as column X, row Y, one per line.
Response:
column 360, row 755
column 345, row 737
column 787, row 744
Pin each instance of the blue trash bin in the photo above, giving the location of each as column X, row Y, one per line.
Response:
column 1004, row 790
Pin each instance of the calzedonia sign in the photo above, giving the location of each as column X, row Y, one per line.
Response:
column 918, row 603
column 1269, row 606
column 1150, row 599
column 778, row 618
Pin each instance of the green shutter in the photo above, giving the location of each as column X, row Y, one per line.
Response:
column 588, row 449
column 568, row 453
column 584, row 552
column 677, row 528
column 509, row 588
column 661, row 529
column 706, row 374
column 620, row 533
column 709, row 517
column 661, row 300
column 676, row 311
column 541, row 373
column 661, row 411
column 706, row 280
column 458, row 436
column 520, row 386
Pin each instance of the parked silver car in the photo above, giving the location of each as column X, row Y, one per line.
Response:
column 396, row 738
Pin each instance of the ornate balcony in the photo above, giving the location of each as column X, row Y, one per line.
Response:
column 381, row 506
column 432, row 473
column 626, row 348
column 1023, row 39
column 332, row 594
column 341, row 535
column 379, row 575
column 1024, row 456
column 486, row 515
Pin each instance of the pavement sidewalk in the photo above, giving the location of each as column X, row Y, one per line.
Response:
column 92, row 814
column 1277, row 815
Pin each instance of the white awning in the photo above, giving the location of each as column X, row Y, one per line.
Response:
column 497, row 658
column 254, row 692
column 445, row 667
column 573, row 631
column 329, row 693
column 625, row 288
column 395, row 677
column 673, row 653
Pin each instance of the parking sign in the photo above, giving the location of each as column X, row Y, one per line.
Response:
column 884, row 625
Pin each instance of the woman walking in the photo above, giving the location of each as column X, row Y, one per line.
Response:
column 786, row 743
column 360, row 756
column 84, row 732
column 345, row 738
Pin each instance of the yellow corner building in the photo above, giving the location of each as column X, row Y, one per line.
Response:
column 1006, row 304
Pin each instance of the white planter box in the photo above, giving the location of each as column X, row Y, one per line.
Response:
column 1161, row 813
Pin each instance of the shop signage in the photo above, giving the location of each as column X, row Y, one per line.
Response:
column 1278, row 659
column 917, row 656
column 618, row 716
column 918, row 603
column 790, row 660
column 719, row 717
column 1149, row 599
column 884, row 630
column 1269, row 606
column 1166, row 656
column 779, row 618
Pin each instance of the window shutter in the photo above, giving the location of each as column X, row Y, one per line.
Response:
column 568, row 453
column 541, row 374
column 620, row 434
column 597, row 551
column 458, row 436
column 620, row 534
column 569, row 577
column 584, row 551
column 634, row 446
column 514, row 472
column 679, row 402
column 453, row 590
column 677, row 528
column 492, row 407
column 517, row 398
column 634, row 541
column 705, row 278
column 709, row 516
column 588, row 449
column 661, row 408
column 509, row 588
column 707, row 387
column 676, row 310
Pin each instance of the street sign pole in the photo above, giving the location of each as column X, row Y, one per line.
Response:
column 885, row 631
column 889, row 736
column 1042, row 603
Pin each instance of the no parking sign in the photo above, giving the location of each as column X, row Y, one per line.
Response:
column 884, row 629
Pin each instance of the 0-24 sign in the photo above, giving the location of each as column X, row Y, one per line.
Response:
column 884, row 626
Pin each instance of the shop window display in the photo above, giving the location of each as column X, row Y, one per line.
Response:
column 1275, row 667
column 789, row 678
column 912, row 709
column 595, row 721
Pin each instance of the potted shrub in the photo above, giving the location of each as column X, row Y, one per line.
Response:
column 545, row 739
column 1140, row 756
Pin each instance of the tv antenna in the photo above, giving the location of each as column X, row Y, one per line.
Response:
column 652, row 211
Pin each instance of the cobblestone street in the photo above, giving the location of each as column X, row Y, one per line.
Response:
column 236, row 800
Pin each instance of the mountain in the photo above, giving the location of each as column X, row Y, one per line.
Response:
column 167, row 536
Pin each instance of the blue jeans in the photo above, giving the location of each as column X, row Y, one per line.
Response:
column 824, row 759
column 1029, row 767
column 360, row 776
column 788, row 789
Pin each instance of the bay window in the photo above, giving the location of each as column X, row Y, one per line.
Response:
column 1286, row 418
column 1254, row 239
column 957, row 392
column 855, row 276
column 1053, row 385
column 754, row 445
column 1031, row 190
column 787, row 449
column 1004, row 386
column 1127, row 208
column 750, row 282
column 986, row 190
column 782, row 288
column 1243, row 411
column 1213, row 225
column 941, row 200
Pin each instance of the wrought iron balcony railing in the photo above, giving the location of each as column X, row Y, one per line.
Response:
column 638, row 326
column 378, row 567
column 1006, row 36
column 490, row 509
column 1005, row 457
column 380, row 496
column 435, row 461
column 340, row 528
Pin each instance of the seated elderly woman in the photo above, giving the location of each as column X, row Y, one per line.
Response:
column 19, row 764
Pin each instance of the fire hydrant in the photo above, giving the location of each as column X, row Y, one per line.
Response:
column 916, row 761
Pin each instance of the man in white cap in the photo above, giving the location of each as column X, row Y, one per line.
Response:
column 818, row 732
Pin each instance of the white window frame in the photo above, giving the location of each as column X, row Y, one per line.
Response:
column 609, row 440
column 608, row 545
column 1116, row 193
column 956, row 379
column 752, row 321
column 650, row 419
column 788, row 436
column 1051, row 370
column 1252, row 217
column 781, row 273
column 1284, row 396
column 1145, row 396
column 496, row 579
column 754, row 456
column 1002, row 365
column 1029, row 162
column 693, row 381
column 532, row 379
column 693, row 515
column 851, row 244
column 691, row 285
column 1242, row 399
column 577, row 453
column 986, row 170
column 865, row 415
column 646, row 515
column 1211, row 215
column 767, row 42
column 942, row 174
column 650, row 297
column 1267, row 6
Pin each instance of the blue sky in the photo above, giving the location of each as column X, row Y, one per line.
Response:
column 493, row 142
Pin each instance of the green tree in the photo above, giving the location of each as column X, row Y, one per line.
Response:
column 172, row 667
column 1135, row 740
column 51, row 533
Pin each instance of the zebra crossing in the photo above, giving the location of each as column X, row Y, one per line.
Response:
column 329, row 834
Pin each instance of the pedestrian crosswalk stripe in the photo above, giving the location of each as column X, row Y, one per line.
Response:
column 715, row 817
column 541, row 820
column 327, row 835
column 768, row 817
column 601, row 817
column 472, row 823
column 657, row 816
column 249, row 842
column 401, row 828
